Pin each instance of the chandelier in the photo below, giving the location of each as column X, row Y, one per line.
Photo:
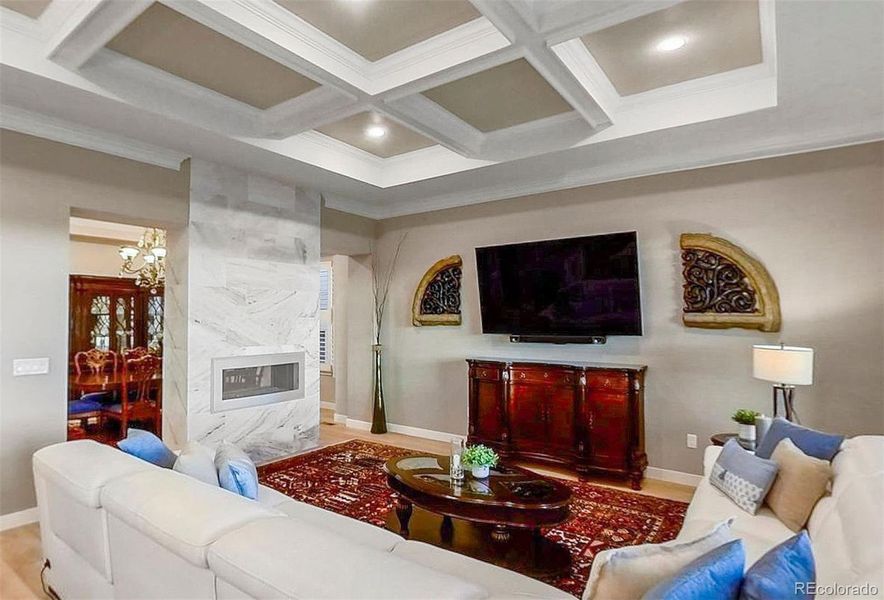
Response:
column 150, row 254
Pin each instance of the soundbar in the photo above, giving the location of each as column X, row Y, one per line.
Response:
column 558, row 339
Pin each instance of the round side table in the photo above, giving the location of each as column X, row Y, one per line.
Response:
column 719, row 439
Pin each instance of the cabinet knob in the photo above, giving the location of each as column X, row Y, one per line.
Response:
column 521, row 376
column 545, row 375
column 484, row 373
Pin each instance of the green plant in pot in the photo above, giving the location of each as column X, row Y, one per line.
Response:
column 480, row 459
column 745, row 419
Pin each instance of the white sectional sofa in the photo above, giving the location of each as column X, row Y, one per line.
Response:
column 846, row 528
column 114, row 526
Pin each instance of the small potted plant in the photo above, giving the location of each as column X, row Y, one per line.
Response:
column 745, row 418
column 480, row 459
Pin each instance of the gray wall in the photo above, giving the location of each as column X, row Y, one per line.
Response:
column 41, row 182
column 815, row 220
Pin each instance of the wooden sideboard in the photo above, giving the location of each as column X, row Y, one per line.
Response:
column 586, row 416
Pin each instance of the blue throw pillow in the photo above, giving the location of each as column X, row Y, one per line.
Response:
column 716, row 574
column 811, row 442
column 236, row 471
column 147, row 446
column 785, row 571
column 742, row 476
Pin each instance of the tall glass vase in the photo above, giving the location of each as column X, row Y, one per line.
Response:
column 379, row 412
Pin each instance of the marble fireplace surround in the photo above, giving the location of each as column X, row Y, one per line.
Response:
column 242, row 280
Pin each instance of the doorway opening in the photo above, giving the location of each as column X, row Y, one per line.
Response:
column 115, row 325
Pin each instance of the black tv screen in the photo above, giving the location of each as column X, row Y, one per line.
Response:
column 586, row 286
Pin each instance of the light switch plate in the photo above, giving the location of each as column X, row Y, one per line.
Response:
column 30, row 366
column 692, row 440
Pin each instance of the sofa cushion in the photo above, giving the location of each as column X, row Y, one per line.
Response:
column 236, row 471
column 629, row 572
column 180, row 513
column 801, row 481
column 709, row 506
column 83, row 467
column 500, row 583
column 717, row 574
column 198, row 461
column 742, row 476
column 288, row 558
column 812, row 442
column 358, row 531
column 782, row 572
column 147, row 446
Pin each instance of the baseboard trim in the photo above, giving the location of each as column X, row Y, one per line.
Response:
column 679, row 477
column 329, row 405
column 17, row 519
column 671, row 476
column 430, row 434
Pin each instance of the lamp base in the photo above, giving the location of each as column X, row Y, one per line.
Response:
column 788, row 393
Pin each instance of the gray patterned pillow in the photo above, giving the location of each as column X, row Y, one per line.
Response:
column 742, row 476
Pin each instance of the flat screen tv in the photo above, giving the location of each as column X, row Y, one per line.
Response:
column 586, row 286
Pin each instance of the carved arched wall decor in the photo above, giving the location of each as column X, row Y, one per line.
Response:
column 725, row 287
column 437, row 298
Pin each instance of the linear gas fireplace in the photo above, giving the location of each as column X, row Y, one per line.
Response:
column 256, row 380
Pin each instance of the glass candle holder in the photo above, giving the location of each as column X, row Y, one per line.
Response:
column 456, row 463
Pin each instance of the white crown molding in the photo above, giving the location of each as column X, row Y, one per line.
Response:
column 23, row 121
column 796, row 143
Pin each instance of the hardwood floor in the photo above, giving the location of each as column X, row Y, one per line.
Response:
column 20, row 556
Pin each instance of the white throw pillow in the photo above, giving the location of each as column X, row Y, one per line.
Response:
column 627, row 573
column 197, row 461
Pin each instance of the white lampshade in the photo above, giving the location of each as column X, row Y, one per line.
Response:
column 128, row 252
column 789, row 365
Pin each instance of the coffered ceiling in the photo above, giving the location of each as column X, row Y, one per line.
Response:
column 398, row 106
column 164, row 38
column 374, row 29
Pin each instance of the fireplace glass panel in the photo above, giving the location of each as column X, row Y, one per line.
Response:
column 241, row 382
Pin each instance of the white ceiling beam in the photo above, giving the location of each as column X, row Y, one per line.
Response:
column 92, row 25
column 425, row 116
column 318, row 107
column 509, row 20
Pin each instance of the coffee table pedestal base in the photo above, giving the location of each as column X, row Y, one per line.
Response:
column 523, row 550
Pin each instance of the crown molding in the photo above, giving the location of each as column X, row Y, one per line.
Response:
column 797, row 143
column 57, row 130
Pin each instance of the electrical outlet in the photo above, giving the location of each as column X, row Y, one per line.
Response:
column 692, row 440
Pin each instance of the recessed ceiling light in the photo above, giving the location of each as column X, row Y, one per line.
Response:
column 375, row 131
column 673, row 42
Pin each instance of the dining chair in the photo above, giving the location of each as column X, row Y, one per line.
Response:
column 134, row 353
column 95, row 360
column 141, row 399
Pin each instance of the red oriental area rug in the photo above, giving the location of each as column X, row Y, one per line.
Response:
column 348, row 478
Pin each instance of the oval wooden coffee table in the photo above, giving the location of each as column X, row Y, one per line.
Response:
column 497, row 519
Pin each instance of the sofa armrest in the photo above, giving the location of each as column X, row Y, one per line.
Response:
column 710, row 455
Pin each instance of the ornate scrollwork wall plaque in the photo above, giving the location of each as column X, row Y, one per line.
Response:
column 725, row 287
column 437, row 298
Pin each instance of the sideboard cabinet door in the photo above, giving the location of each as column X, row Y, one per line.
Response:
column 487, row 419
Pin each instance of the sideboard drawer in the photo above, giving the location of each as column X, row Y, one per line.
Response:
column 607, row 381
column 545, row 376
column 485, row 373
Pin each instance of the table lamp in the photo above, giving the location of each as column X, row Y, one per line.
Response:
column 786, row 367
